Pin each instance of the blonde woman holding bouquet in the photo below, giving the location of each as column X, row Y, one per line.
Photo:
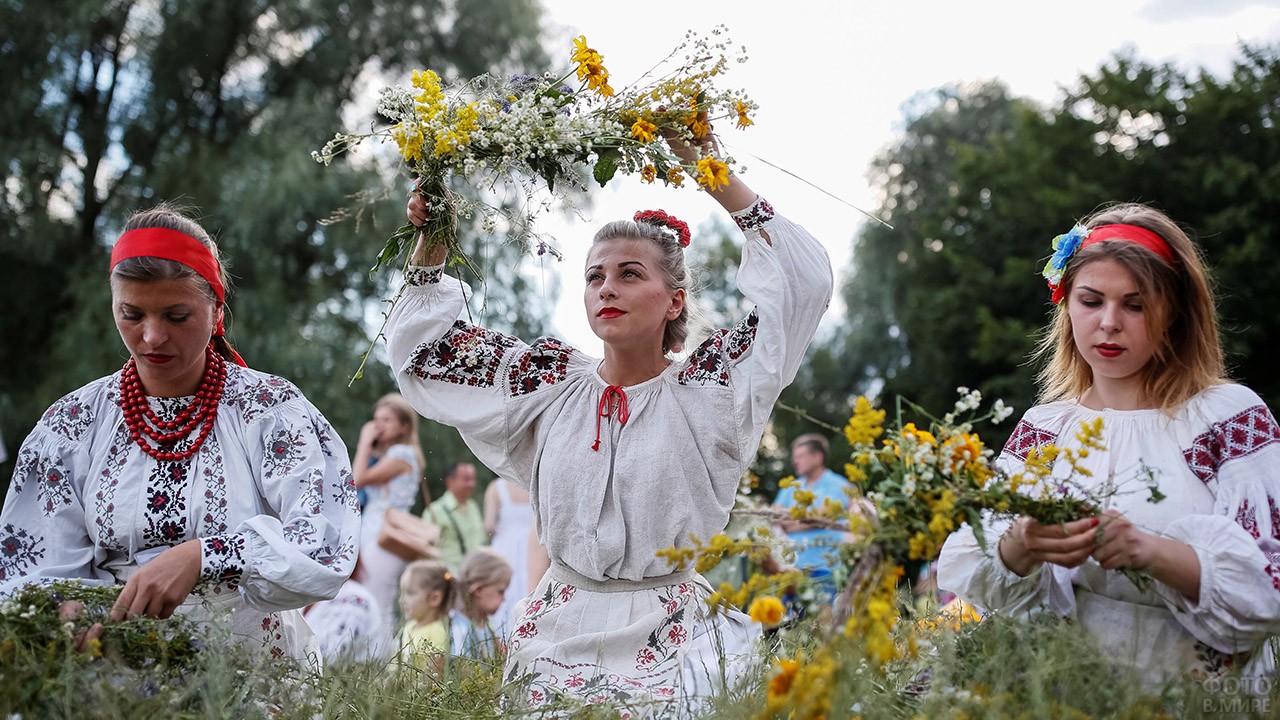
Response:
column 1134, row 342
column 626, row 455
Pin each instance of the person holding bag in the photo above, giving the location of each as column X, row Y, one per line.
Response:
column 388, row 466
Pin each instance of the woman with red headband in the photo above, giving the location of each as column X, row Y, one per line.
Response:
column 199, row 484
column 626, row 455
column 1134, row 342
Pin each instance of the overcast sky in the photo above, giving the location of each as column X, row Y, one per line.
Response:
column 832, row 78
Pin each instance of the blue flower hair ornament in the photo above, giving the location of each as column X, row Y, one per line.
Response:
column 1064, row 247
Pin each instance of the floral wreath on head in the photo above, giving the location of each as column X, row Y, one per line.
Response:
column 662, row 219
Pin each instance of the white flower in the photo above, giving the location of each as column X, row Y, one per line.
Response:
column 909, row 484
column 1000, row 411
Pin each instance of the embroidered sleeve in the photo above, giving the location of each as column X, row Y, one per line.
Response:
column 1025, row 438
column 789, row 281
column 221, row 561
column 467, row 377
column 1238, row 459
column 43, row 534
column 304, row 548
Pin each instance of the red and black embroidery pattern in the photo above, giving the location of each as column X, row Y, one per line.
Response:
column 1025, row 438
column 546, row 362
column 105, row 498
column 755, row 216
column 69, row 417
column 222, row 560
column 19, row 551
column 466, row 355
column 546, row 679
column 710, row 363
column 257, row 397
column 1240, row 436
column 283, row 453
column 215, row 487
column 1247, row 518
column 49, row 474
column 423, row 276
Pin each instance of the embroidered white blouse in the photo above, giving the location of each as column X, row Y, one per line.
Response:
column 270, row 496
column 529, row 411
column 1217, row 461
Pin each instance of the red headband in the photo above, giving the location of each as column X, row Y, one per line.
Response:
column 179, row 247
column 1133, row 234
column 172, row 245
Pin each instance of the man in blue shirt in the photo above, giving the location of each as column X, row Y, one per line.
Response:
column 816, row 547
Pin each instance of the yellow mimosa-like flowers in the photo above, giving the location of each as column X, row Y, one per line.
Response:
column 866, row 424
column 675, row 176
column 742, row 109
column 648, row 173
column 408, row 138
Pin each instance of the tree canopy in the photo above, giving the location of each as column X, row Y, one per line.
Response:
column 978, row 184
column 111, row 107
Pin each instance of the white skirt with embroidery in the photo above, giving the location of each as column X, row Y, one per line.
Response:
column 649, row 648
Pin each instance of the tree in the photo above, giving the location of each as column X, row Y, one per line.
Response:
column 115, row 106
column 980, row 182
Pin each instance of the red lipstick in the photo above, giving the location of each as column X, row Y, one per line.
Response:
column 610, row 312
column 157, row 359
column 1107, row 350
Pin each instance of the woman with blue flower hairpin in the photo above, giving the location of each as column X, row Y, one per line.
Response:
column 1134, row 341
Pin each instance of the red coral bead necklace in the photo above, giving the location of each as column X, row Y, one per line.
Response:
column 143, row 423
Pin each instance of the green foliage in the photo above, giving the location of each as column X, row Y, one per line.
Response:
column 111, row 107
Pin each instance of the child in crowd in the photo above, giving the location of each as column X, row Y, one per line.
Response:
column 426, row 594
column 483, row 585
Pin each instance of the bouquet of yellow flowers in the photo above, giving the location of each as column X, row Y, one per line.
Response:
column 548, row 130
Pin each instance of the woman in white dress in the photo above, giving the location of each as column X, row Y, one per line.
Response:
column 197, row 483
column 508, row 518
column 1134, row 341
column 622, row 456
column 388, row 466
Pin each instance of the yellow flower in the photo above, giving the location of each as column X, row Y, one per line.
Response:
column 918, row 547
column 648, row 173
column 865, row 425
column 408, row 137
column 675, row 176
column 855, row 474
column 741, row 108
column 788, row 481
column 780, row 684
column 766, row 610
column 922, row 437
column 643, row 130
column 591, row 67
column 712, row 174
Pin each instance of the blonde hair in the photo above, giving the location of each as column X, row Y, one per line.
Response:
column 1178, row 309
column 431, row 576
column 482, row 566
column 405, row 413
column 675, row 272
column 170, row 216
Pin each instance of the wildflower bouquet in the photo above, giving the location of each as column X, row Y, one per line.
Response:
column 551, row 129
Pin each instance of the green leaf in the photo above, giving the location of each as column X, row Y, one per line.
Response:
column 606, row 167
